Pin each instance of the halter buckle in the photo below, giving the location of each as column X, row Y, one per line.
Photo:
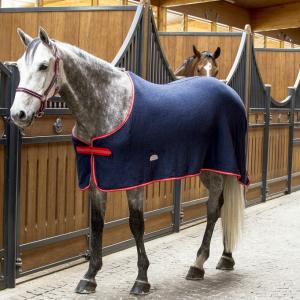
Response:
column 39, row 114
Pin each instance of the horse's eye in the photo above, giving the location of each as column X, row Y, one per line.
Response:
column 43, row 67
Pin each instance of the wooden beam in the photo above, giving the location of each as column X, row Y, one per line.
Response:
column 172, row 3
column 214, row 26
column 162, row 18
column 290, row 35
column 185, row 22
column 222, row 12
column 276, row 17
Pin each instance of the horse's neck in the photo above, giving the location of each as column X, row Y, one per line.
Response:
column 97, row 93
column 180, row 71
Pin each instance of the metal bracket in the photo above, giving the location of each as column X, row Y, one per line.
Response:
column 58, row 126
column 181, row 215
column 19, row 263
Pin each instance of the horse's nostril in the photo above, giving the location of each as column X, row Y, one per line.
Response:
column 22, row 115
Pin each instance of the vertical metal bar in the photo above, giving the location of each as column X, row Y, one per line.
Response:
column 177, row 206
column 249, row 50
column 140, row 48
column 292, row 92
column 266, row 144
column 146, row 30
column 13, row 157
column 4, row 94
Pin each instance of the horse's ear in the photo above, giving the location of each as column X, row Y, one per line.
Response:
column 44, row 36
column 196, row 52
column 25, row 38
column 217, row 53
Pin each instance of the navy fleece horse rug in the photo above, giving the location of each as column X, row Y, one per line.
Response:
column 172, row 131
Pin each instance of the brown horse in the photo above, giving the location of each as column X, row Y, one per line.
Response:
column 200, row 64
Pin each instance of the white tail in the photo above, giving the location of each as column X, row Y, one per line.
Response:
column 232, row 212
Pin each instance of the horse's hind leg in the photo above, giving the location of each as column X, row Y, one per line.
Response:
column 232, row 219
column 88, row 284
column 215, row 183
column 136, row 223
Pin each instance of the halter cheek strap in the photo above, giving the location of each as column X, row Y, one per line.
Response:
column 43, row 97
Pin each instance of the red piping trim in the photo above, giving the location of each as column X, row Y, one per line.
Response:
column 117, row 128
column 238, row 176
column 106, row 135
column 127, row 117
column 93, row 150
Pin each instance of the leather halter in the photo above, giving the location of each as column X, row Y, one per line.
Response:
column 43, row 97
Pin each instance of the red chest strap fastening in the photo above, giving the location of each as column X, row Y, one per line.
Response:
column 93, row 150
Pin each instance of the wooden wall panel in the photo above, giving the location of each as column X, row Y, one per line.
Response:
column 278, row 152
column 193, row 188
column 296, row 158
column 255, row 154
column 278, row 68
column 194, row 212
column 179, row 47
column 50, row 201
column 41, row 256
column 85, row 29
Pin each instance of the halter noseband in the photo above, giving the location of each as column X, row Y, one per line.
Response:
column 43, row 97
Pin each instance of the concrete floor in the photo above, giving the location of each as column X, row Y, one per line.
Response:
column 267, row 264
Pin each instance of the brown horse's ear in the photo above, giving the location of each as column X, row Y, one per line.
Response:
column 25, row 38
column 196, row 52
column 217, row 53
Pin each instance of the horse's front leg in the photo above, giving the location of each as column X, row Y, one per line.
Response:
column 136, row 223
column 97, row 199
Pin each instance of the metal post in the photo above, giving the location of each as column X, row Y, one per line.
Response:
column 266, row 144
column 145, row 41
column 292, row 93
column 249, row 49
column 177, row 206
column 12, row 186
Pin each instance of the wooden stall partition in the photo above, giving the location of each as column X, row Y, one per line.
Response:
column 53, row 214
column 258, row 131
column 85, row 28
column 278, row 67
column 255, row 146
column 278, row 153
column 51, row 204
column 178, row 47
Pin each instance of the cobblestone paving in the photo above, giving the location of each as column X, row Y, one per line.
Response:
column 267, row 264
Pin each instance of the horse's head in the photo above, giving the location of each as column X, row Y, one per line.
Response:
column 200, row 64
column 206, row 64
column 39, row 70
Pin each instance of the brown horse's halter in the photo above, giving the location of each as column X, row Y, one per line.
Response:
column 43, row 97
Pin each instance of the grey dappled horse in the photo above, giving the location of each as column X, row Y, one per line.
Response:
column 98, row 95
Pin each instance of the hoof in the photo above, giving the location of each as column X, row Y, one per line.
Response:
column 140, row 288
column 195, row 274
column 86, row 286
column 226, row 263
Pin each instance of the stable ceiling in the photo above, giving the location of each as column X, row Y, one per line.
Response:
column 276, row 18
